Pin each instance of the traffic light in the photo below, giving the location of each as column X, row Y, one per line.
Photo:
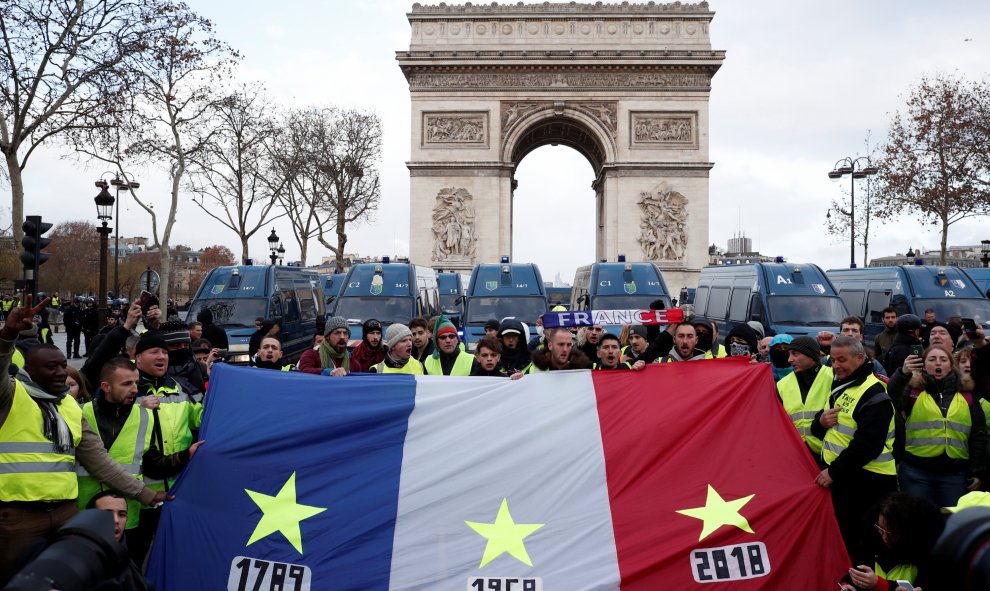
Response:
column 33, row 244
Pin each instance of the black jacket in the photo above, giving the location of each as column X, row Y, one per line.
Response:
column 898, row 352
column 873, row 415
column 576, row 360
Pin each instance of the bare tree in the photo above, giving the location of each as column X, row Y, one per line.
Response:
column 232, row 176
column 330, row 157
column 935, row 163
column 75, row 248
column 61, row 61
column 839, row 214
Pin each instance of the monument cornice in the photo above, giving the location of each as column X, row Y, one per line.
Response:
column 596, row 10
column 583, row 55
column 446, row 78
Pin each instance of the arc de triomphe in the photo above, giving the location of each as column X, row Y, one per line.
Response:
column 626, row 85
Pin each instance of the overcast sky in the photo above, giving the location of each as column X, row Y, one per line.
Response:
column 801, row 85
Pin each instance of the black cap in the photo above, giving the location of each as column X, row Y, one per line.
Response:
column 150, row 340
column 492, row 324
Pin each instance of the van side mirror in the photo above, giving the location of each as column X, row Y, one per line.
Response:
column 459, row 301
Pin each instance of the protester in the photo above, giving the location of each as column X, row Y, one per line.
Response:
column 269, row 355
column 332, row 357
column 609, row 354
column 422, row 343
column 804, row 392
column 487, row 356
column 371, row 350
column 77, row 386
column 448, row 358
column 637, row 344
column 398, row 354
column 515, row 354
column 491, row 327
column 559, row 353
column 779, row 354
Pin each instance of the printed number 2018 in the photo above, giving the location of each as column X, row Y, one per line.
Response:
column 730, row 563
column 253, row 574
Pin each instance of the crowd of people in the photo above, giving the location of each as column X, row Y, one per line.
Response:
column 898, row 429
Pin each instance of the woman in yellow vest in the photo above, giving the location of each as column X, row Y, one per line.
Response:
column 398, row 356
column 945, row 435
column 907, row 528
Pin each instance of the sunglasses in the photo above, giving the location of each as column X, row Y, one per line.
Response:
column 445, row 337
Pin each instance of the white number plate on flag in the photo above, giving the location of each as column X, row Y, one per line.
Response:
column 505, row 584
column 730, row 563
column 254, row 574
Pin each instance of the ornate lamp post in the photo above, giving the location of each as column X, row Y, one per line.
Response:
column 857, row 168
column 273, row 242
column 104, row 207
column 281, row 254
column 985, row 249
column 910, row 255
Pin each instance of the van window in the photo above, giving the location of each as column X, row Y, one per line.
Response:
column 875, row 303
column 701, row 301
column 739, row 303
column 717, row 302
column 307, row 303
column 756, row 308
column 853, row 301
column 290, row 305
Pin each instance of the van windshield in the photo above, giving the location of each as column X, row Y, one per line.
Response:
column 448, row 303
column 230, row 312
column 806, row 310
column 524, row 309
column 384, row 309
column 626, row 302
column 945, row 308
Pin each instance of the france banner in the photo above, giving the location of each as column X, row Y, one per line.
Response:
column 612, row 317
column 658, row 479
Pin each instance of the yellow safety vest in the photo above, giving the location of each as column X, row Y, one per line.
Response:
column 986, row 410
column 178, row 415
column 7, row 305
column 127, row 450
column 803, row 413
column 17, row 358
column 901, row 572
column 929, row 435
column 718, row 354
column 30, row 470
column 412, row 367
column 838, row 437
column 55, row 302
column 462, row 365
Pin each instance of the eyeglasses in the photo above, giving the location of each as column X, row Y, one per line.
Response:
column 340, row 332
column 445, row 337
column 881, row 530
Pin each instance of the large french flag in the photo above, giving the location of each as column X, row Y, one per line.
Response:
column 684, row 475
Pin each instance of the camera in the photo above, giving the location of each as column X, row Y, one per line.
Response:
column 961, row 556
column 82, row 554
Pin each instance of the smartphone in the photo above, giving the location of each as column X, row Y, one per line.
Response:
column 969, row 325
column 147, row 300
column 917, row 350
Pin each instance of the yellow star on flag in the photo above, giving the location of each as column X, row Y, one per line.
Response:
column 504, row 535
column 281, row 513
column 718, row 512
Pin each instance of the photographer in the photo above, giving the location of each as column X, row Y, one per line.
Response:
column 37, row 415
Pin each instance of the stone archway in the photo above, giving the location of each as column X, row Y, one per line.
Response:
column 626, row 85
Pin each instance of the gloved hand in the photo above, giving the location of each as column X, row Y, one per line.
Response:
column 657, row 305
column 688, row 312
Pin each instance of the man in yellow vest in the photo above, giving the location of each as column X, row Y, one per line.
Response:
column 43, row 434
column 126, row 432
column 805, row 391
column 448, row 359
column 398, row 354
column 857, row 433
column 6, row 305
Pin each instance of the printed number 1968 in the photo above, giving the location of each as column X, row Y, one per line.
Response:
column 253, row 574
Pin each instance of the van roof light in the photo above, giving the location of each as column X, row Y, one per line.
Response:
column 622, row 258
column 919, row 262
column 385, row 260
column 378, row 268
column 505, row 268
column 628, row 267
column 505, row 258
column 778, row 259
column 235, row 272
column 797, row 269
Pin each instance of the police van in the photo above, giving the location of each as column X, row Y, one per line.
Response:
column 452, row 286
column 910, row 289
column 559, row 296
column 786, row 298
column 388, row 292
column 499, row 291
column 981, row 277
column 332, row 286
column 237, row 295
column 618, row 286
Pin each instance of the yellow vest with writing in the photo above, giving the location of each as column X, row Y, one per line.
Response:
column 803, row 413
column 127, row 450
column 838, row 437
column 462, row 365
column 30, row 469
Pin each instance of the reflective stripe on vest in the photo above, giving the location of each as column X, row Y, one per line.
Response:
column 803, row 413
column 462, row 365
column 719, row 353
column 127, row 450
column 178, row 415
column 900, row 572
column 838, row 437
column 929, row 435
column 412, row 367
column 30, row 469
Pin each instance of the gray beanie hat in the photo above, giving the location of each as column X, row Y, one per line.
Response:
column 637, row 329
column 758, row 327
column 807, row 346
column 395, row 333
column 335, row 322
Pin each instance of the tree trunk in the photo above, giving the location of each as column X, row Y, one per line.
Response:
column 945, row 238
column 244, row 249
column 16, row 196
column 303, row 247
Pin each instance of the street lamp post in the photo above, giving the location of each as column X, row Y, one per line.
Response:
column 273, row 242
column 281, row 254
column 856, row 168
column 104, row 207
column 985, row 249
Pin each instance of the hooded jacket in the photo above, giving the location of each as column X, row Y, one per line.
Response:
column 576, row 360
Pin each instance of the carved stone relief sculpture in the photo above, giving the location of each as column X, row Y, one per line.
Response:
column 455, row 129
column 663, row 227
column 675, row 130
column 454, row 235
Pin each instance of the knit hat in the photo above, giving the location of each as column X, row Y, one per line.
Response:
column 638, row 329
column 395, row 333
column 150, row 340
column 335, row 322
column 371, row 325
column 492, row 325
column 444, row 326
column 758, row 327
column 174, row 332
column 806, row 346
